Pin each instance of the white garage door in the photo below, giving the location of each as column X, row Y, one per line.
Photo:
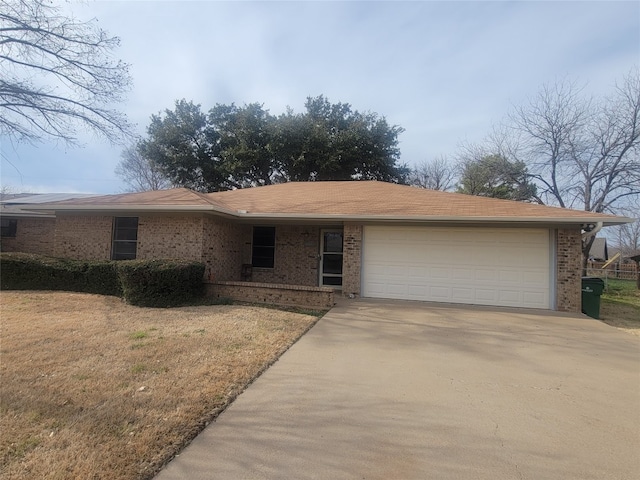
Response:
column 507, row 267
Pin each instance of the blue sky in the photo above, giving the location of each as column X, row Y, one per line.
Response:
column 444, row 71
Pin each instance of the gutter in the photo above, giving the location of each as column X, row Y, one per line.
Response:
column 246, row 215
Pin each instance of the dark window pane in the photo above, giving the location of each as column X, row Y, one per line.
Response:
column 127, row 222
column 124, row 250
column 333, row 242
column 264, row 236
column 332, row 263
column 333, row 281
column 125, row 235
column 263, row 251
column 9, row 227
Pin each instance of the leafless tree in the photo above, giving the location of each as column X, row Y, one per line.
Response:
column 583, row 153
column 437, row 174
column 580, row 152
column 627, row 236
column 140, row 174
column 57, row 75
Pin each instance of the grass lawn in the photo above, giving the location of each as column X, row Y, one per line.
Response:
column 620, row 305
column 93, row 388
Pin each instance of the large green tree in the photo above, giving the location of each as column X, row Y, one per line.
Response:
column 237, row 147
column 495, row 176
column 333, row 142
column 245, row 135
column 186, row 147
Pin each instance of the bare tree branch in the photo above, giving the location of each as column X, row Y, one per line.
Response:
column 581, row 153
column 139, row 173
column 57, row 75
column 437, row 174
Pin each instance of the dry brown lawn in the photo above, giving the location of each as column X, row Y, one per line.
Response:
column 622, row 316
column 93, row 388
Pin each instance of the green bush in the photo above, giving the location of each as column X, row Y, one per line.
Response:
column 21, row 271
column 149, row 283
column 161, row 283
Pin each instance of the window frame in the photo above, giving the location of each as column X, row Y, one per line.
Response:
column 117, row 242
column 11, row 229
column 265, row 247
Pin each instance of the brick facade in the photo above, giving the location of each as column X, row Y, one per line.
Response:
column 296, row 256
column 352, row 260
column 275, row 294
column 83, row 237
column 175, row 237
column 33, row 235
column 223, row 245
column 568, row 270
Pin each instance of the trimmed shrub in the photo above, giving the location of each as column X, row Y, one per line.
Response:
column 22, row 271
column 161, row 283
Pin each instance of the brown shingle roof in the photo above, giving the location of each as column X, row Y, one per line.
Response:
column 172, row 197
column 340, row 200
column 380, row 199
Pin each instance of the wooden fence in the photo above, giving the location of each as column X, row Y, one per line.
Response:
column 624, row 271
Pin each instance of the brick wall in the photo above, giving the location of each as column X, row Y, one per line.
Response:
column 162, row 236
column 568, row 270
column 33, row 235
column 223, row 248
column 352, row 261
column 275, row 294
column 83, row 237
column 296, row 256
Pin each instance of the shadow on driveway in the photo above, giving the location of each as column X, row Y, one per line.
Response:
column 407, row 390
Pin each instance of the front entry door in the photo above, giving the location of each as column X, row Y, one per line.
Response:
column 331, row 258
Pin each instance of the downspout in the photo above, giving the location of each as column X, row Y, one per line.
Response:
column 590, row 233
column 585, row 238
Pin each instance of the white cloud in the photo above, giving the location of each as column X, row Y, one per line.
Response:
column 442, row 70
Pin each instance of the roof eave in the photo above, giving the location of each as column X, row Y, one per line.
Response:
column 135, row 208
column 244, row 215
column 435, row 218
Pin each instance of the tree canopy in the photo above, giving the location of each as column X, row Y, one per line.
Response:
column 236, row 147
column 57, row 75
column 495, row 176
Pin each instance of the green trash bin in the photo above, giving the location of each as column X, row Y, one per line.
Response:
column 592, row 288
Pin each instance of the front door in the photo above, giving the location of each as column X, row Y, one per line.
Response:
column 331, row 258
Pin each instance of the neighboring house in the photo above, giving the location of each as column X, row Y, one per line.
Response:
column 24, row 230
column 360, row 238
column 599, row 251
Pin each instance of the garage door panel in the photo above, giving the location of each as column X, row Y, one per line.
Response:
column 462, row 295
column 462, row 265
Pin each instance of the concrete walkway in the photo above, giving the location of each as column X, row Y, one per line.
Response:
column 402, row 390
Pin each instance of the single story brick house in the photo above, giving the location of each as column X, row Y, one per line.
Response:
column 303, row 242
column 26, row 230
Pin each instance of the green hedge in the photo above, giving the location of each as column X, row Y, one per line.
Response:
column 22, row 271
column 161, row 283
column 151, row 283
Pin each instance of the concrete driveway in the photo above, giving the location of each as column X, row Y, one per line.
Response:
column 403, row 390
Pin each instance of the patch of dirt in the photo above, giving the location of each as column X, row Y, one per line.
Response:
column 94, row 388
column 620, row 315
